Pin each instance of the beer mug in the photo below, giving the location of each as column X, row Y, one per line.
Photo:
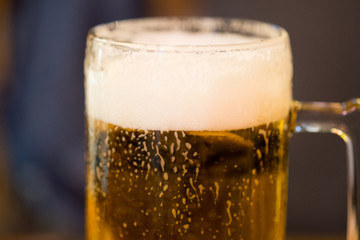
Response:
column 188, row 123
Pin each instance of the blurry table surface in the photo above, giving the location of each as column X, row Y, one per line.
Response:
column 59, row 237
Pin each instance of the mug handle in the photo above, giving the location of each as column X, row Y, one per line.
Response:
column 342, row 119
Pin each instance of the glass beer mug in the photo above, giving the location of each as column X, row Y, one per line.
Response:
column 188, row 122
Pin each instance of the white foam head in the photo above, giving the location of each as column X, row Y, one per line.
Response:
column 219, row 81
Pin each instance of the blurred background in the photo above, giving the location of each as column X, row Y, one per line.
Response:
column 42, row 45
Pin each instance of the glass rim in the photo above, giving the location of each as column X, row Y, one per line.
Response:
column 276, row 35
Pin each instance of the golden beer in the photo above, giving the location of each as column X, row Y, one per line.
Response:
column 187, row 142
column 186, row 184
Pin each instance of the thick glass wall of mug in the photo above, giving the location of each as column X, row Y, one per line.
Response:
column 185, row 145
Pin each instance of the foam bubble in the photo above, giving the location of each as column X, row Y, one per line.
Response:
column 190, row 90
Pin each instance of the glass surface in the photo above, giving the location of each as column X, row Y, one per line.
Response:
column 187, row 124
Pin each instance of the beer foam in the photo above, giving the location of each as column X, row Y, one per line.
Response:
column 187, row 88
column 189, row 38
column 175, row 37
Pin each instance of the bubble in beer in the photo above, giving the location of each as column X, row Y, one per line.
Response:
column 209, row 196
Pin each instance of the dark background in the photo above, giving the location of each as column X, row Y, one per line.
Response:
column 42, row 45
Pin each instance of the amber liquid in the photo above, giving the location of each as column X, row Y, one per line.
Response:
column 186, row 184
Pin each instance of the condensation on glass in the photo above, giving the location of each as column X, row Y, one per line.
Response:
column 188, row 121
